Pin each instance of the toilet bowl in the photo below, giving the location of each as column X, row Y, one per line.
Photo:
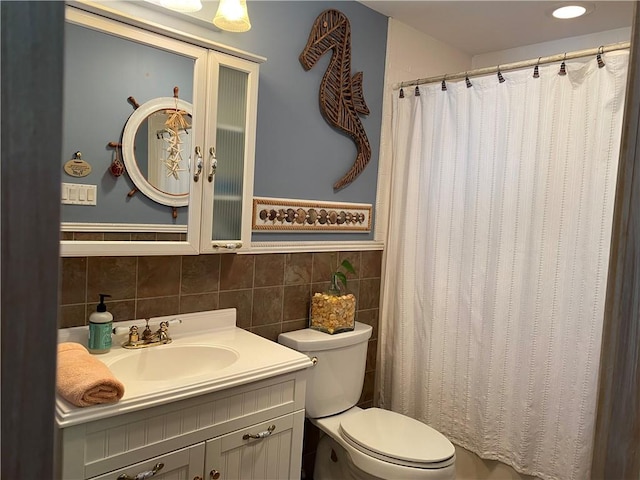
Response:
column 376, row 443
column 362, row 443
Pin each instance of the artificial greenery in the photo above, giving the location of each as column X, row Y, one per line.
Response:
column 340, row 273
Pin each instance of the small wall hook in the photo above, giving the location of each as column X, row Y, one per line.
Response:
column 599, row 57
column 536, row 72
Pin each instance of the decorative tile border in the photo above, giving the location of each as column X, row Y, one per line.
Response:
column 288, row 215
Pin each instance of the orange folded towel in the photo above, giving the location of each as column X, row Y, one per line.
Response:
column 83, row 380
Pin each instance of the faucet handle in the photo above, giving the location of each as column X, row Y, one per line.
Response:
column 120, row 330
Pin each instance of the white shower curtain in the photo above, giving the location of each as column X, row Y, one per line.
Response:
column 496, row 261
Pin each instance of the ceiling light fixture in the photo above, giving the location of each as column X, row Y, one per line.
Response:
column 572, row 10
column 232, row 16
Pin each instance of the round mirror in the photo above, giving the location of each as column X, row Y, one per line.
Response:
column 156, row 149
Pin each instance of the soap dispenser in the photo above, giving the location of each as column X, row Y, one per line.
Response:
column 100, row 324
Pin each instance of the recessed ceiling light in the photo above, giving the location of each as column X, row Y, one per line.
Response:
column 571, row 10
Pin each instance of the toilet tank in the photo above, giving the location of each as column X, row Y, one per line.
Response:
column 334, row 383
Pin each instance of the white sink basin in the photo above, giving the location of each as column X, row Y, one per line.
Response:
column 209, row 353
column 167, row 362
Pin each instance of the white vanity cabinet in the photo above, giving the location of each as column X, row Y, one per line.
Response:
column 216, row 170
column 207, row 436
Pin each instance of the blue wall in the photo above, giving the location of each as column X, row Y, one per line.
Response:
column 96, row 110
column 298, row 154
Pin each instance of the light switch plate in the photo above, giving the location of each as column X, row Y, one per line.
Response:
column 79, row 194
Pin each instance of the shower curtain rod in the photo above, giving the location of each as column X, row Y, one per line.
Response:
column 515, row 66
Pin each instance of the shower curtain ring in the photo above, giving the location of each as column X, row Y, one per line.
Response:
column 444, row 84
column 467, row 81
column 536, row 73
column 599, row 56
column 417, row 91
column 563, row 66
column 500, row 77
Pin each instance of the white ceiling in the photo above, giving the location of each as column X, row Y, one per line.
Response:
column 477, row 27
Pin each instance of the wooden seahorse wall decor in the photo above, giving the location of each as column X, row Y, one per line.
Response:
column 341, row 98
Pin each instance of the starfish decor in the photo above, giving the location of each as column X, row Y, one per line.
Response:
column 176, row 121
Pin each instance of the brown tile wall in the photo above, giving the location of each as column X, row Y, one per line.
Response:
column 271, row 292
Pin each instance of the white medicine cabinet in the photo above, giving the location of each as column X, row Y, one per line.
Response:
column 140, row 212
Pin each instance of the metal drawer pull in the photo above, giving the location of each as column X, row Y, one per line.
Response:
column 228, row 246
column 264, row 434
column 143, row 475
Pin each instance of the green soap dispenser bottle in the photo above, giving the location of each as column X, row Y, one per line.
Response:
column 100, row 324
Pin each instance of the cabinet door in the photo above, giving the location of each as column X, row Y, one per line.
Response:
column 231, row 127
column 184, row 464
column 120, row 76
column 276, row 454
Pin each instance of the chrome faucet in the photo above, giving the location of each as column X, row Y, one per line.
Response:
column 150, row 338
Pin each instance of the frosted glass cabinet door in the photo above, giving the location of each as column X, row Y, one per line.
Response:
column 275, row 456
column 228, row 189
column 183, row 464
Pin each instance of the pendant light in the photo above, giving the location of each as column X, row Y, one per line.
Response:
column 232, row 16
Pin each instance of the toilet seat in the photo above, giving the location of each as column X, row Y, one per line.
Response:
column 397, row 439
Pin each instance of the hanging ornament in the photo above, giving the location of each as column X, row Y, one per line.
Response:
column 77, row 167
column 175, row 124
column 117, row 166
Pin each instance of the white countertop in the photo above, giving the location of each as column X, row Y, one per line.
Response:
column 258, row 359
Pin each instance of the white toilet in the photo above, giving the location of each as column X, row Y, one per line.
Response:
column 362, row 444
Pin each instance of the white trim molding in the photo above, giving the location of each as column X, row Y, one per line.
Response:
column 304, row 247
column 121, row 227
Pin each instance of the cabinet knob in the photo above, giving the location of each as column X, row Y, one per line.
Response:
column 214, row 474
column 143, row 475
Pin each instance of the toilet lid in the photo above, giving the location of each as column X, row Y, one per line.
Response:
column 396, row 438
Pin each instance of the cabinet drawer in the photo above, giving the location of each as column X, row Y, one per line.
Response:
column 275, row 455
column 179, row 465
